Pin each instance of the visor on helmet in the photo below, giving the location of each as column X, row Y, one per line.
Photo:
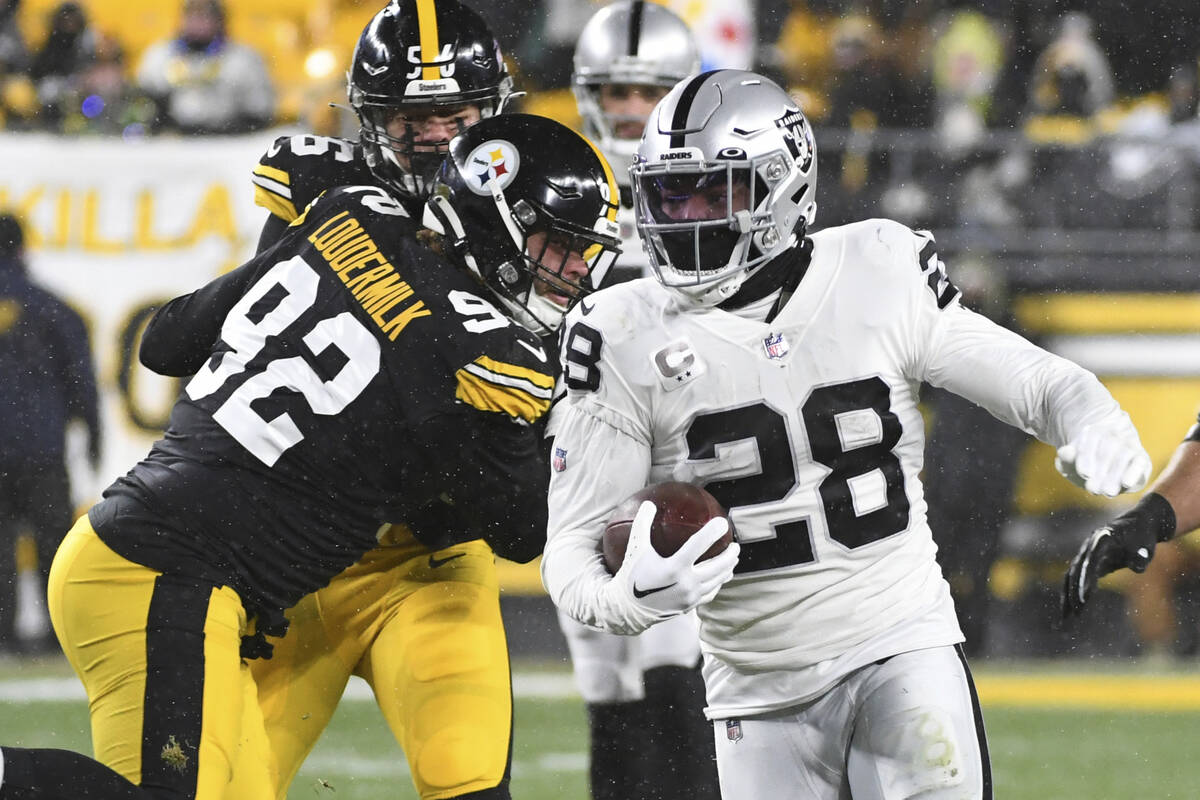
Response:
column 695, row 216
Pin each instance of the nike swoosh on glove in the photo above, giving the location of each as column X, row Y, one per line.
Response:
column 1128, row 541
column 1105, row 458
column 649, row 588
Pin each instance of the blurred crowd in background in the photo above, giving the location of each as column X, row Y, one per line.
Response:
column 936, row 113
column 1058, row 140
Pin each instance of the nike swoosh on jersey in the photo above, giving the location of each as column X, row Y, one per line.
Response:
column 538, row 352
column 640, row 593
column 585, row 307
column 435, row 562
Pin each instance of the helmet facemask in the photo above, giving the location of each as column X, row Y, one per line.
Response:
column 542, row 267
column 724, row 182
column 703, row 218
column 551, row 263
column 396, row 151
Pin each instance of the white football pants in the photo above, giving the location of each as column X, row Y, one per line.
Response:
column 907, row 728
column 608, row 668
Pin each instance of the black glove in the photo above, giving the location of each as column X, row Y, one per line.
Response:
column 1128, row 541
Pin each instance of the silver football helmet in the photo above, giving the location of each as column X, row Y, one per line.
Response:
column 723, row 181
column 628, row 42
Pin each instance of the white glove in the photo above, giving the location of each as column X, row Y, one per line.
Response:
column 1105, row 458
column 649, row 588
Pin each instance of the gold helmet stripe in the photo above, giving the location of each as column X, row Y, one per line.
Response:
column 428, row 29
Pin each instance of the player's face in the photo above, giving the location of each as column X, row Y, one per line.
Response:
column 628, row 106
column 430, row 127
column 689, row 198
column 560, row 267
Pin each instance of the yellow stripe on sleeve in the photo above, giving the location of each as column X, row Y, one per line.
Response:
column 538, row 379
column 275, row 204
column 517, row 391
column 274, row 173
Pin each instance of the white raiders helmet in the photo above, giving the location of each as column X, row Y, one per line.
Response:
column 723, row 181
column 628, row 42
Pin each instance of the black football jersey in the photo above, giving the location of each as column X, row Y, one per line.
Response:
column 296, row 169
column 344, row 377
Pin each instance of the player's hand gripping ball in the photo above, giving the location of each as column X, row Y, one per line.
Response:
column 681, row 510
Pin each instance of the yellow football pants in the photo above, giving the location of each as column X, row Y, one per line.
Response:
column 424, row 630
column 172, row 704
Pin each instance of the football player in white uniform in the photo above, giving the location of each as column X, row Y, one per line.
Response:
column 629, row 55
column 779, row 369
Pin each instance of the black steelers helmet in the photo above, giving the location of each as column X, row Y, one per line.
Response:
column 530, row 206
column 421, row 54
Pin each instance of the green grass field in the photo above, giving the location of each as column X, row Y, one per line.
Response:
column 1056, row 733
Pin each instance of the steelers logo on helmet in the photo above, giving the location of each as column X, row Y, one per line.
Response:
column 495, row 161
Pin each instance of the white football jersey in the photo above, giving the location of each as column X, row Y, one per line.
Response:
column 807, row 430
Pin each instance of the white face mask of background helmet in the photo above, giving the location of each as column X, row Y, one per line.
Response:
column 742, row 141
column 392, row 72
column 628, row 42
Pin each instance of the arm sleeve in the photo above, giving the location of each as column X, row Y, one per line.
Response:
column 272, row 231
column 497, row 486
column 1015, row 380
column 180, row 335
column 596, row 466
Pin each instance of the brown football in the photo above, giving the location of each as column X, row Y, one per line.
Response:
column 682, row 509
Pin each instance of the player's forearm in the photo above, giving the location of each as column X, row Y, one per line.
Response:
column 1018, row 382
column 180, row 335
column 1179, row 485
column 575, row 578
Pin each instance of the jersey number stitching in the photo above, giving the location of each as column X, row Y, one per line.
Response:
column 857, row 463
column 292, row 288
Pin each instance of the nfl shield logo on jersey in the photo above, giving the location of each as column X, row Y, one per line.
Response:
column 559, row 461
column 775, row 345
column 733, row 730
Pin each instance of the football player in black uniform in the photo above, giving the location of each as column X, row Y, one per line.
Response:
column 423, row 628
column 421, row 72
column 1169, row 508
column 347, row 375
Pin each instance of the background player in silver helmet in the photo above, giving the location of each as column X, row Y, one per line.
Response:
column 779, row 369
column 628, row 56
column 378, row 618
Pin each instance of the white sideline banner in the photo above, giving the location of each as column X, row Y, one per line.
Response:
column 116, row 228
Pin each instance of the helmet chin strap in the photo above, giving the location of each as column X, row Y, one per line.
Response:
column 510, row 224
column 439, row 217
column 409, row 179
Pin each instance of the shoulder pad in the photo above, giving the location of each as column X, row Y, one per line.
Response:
column 295, row 169
column 514, row 375
column 893, row 248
